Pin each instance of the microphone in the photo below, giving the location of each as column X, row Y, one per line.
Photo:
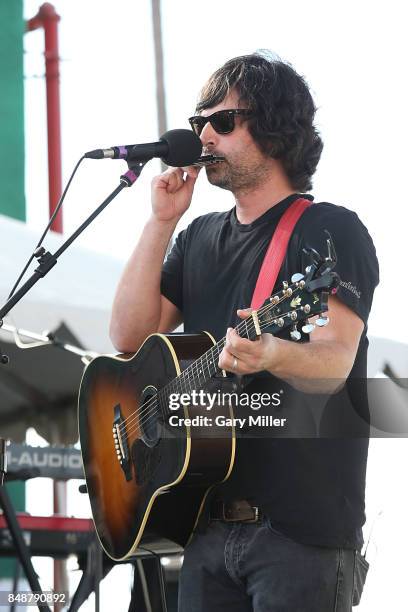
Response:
column 175, row 148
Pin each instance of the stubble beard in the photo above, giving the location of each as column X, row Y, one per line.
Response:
column 238, row 176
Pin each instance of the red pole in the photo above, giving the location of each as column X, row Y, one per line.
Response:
column 48, row 19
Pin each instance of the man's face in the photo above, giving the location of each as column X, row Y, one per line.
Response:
column 245, row 166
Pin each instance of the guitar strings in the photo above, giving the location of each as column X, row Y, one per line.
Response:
column 188, row 375
column 185, row 375
column 151, row 411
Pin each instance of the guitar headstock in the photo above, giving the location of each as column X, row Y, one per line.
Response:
column 305, row 297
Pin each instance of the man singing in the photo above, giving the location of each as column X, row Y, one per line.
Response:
column 281, row 534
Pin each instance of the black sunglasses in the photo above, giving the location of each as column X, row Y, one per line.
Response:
column 223, row 121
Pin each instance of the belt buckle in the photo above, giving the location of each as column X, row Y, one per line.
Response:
column 234, row 520
column 256, row 515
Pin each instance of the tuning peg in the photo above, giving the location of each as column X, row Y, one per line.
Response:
column 308, row 327
column 322, row 321
column 297, row 277
column 295, row 333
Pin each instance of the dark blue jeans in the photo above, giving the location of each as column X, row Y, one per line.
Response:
column 250, row 567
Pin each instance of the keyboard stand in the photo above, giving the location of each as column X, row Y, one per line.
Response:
column 22, row 551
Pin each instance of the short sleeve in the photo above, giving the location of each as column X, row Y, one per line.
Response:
column 171, row 285
column 357, row 263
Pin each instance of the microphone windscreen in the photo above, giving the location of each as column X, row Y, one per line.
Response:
column 185, row 148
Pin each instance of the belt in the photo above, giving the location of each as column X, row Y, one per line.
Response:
column 238, row 511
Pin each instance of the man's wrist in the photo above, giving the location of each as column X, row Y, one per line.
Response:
column 163, row 225
column 277, row 356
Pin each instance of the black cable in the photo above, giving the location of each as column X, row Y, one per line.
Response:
column 3, row 459
column 55, row 213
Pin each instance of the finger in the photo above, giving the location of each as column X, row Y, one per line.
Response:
column 244, row 313
column 238, row 346
column 167, row 181
column 176, row 181
column 191, row 171
column 234, row 365
column 229, row 362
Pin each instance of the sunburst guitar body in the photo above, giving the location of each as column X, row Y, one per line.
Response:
column 144, row 476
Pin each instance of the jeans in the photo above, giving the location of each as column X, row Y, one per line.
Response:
column 251, row 567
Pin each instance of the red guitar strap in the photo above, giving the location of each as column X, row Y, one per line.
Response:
column 276, row 251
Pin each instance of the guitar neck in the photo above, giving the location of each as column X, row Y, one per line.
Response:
column 306, row 297
column 198, row 373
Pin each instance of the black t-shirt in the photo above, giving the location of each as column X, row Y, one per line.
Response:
column 311, row 489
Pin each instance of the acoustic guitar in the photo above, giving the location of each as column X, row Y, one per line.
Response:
column 146, row 474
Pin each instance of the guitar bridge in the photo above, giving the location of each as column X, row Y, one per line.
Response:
column 121, row 442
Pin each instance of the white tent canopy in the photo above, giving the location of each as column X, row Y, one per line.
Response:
column 383, row 352
column 39, row 386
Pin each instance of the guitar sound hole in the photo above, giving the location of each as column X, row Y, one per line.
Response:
column 150, row 417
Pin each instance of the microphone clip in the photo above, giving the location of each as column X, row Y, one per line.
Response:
column 135, row 169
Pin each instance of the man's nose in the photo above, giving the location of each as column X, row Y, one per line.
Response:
column 208, row 135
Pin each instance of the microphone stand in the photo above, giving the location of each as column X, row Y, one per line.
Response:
column 46, row 340
column 46, row 261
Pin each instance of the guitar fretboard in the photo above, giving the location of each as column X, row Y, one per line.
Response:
column 198, row 373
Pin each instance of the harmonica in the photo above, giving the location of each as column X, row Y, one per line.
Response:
column 208, row 160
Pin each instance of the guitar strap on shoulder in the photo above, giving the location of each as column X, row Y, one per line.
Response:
column 276, row 252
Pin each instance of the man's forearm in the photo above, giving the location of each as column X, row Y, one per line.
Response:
column 315, row 367
column 137, row 305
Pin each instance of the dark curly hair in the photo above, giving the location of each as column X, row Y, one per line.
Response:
column 283, row 111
